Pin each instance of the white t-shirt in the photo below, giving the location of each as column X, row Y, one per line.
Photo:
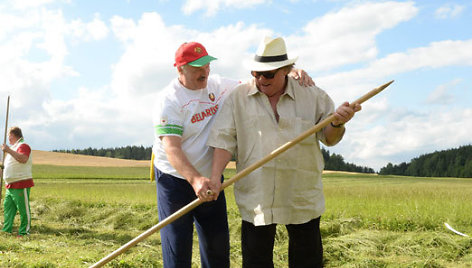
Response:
column 188, row 114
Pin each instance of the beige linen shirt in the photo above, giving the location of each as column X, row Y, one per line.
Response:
column 288, row 189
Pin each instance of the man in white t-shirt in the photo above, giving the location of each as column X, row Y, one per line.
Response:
column 182, row 119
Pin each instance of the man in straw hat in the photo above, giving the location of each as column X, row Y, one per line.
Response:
column 183, row 112
column 257, row 118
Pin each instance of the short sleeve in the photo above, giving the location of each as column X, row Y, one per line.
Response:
column 223, row 131
column 167, row 119
column 24, row 149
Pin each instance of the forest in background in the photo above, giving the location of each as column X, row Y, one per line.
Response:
column 128, row 152
column 456, row 162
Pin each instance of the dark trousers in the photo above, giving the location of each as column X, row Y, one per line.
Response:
column 304, row 247
column 210, row 220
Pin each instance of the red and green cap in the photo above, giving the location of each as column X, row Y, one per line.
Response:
column 193, row 54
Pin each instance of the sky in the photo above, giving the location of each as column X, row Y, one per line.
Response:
column 85, row 73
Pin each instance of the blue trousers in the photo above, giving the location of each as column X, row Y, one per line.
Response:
column 210, row 220
column 304, row 245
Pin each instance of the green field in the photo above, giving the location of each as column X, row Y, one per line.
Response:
column 80, row 215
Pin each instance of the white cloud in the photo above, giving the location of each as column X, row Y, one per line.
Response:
column 383, row 132
column 212, row 6
column 91, row 31
column 79, row 121
column 147, row 63
column 123, row 29
column 28, row 79
column 436, row 55
column 348, row 36
column 442, row 94
column 28, row 4
column 53, row 29
column 33, row 53
column 11, row 22
column 449, row 11
column 146, row 66
column 413, row 134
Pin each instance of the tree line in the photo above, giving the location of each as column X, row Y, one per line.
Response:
column 128, row 152
column 332, row 161
column 447, row 163
column 336, row 162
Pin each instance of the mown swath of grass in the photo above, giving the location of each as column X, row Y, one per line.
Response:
column 400, row 204
column 96, row 192
column 77, row 172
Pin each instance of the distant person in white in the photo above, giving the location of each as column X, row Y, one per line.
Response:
column 18, row 177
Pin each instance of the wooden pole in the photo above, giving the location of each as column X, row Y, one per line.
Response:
column 235, row 178
column 4, row 142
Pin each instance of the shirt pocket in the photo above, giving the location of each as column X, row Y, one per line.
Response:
column 308, row 150
column 304, row 126
column 248, row 135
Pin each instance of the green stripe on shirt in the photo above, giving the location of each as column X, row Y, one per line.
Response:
column 169, row 129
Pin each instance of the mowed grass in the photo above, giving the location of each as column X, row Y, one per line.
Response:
column 78, row 172
column 370, row 221
column 376, row 221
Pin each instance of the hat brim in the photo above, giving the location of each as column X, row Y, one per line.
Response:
column 269, row 66
column 202, row 61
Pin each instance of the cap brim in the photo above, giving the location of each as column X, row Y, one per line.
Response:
column 202, row 61
column 269, row 66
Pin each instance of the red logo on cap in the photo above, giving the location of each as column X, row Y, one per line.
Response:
column 198, row 50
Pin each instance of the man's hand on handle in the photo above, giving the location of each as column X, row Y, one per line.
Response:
column 206, row 189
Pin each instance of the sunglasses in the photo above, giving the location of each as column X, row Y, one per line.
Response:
column 267, row 75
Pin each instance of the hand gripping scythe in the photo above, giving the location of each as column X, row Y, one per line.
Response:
column 4, row 142
column 235, row 178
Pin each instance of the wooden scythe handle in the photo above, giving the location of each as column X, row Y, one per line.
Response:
column 4, row 142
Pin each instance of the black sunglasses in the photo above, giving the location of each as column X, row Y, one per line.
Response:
column 267, row 75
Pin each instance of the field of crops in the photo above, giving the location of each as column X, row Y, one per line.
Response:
column 82, row 214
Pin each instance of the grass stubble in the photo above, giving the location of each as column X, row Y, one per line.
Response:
column 370, row 221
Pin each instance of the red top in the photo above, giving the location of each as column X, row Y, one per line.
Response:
column 26, row 150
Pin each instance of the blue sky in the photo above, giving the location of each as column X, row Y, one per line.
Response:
column 84, row 73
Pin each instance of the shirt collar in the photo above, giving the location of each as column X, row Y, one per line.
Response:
column 253, row 89
column 20, row 140
column 288, row 90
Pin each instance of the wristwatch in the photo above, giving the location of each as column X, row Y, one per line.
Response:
column 337, row 126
